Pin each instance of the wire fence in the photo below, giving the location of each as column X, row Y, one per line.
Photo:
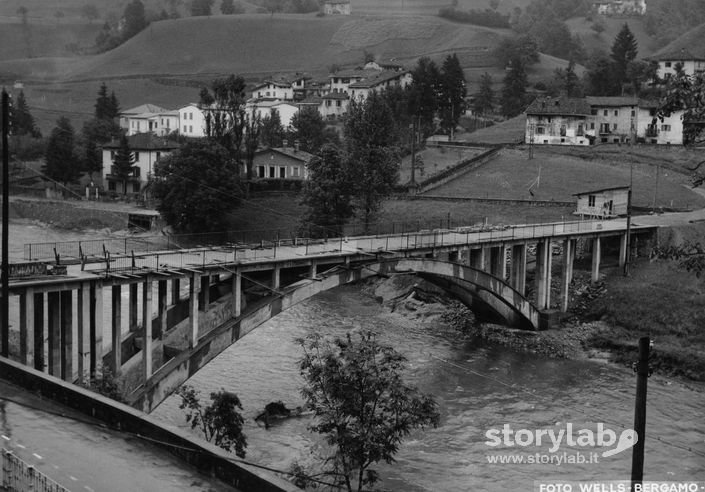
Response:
column 19, row 476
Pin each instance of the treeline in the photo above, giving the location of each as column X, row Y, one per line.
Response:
column 487, row 17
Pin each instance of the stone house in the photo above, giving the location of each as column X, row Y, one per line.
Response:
column 557, row 121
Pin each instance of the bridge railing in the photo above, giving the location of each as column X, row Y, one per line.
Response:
column 17, row 475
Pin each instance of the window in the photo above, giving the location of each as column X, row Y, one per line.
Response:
column 540, row 130
column 260, row 171
column 605, row 113
column 614, row 127
column 616, row 112
column 137, row 156
column 295, row 171
column 591, row 200
column 563, row 130
column 282, row 172
column 668, row 64
column 136, row 171
column 190, row 116
column 271, row 171
column 665, row 128
column 592, row 126
column 184, row 128
column 633, row 113
column 111, row 186
column 337, row 103
column 580, row 130
column 159, row 154
column 593, row 112
column 190, row 129
column 328, row 103
column 112, row 155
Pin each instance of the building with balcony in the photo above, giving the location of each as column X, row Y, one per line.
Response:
column 557, row 121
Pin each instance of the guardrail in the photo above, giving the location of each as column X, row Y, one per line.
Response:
column 19, row 476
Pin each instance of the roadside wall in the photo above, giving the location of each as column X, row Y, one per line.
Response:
column 65, row 215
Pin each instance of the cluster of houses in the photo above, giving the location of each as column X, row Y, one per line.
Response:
column 147, row 125
column 620, row 7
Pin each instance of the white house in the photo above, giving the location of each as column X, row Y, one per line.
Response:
column 281, row 163
column 621, row 7
column 688, row 50
column 614, row 119
column 334, row 105
column 141, row 119
column 192, row 121
column 651, row 129
column 332, row 7
column 285, row 88
column 377, row 82
column 146, row 149
column 286, row 110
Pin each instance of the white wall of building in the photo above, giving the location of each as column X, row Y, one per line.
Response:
column 192, row 121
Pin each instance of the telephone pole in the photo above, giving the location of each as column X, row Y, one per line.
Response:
column 5, row 329
column 642, row 375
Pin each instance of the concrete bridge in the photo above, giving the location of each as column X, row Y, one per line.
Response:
column 185, row 307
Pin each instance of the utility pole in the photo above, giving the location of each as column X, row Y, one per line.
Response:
column 642, row 375
column 5, row 329
column 413, row 153
column 627, row 258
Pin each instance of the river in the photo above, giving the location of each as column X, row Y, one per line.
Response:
column 478, row 387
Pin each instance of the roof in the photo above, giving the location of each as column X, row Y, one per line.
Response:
column 689, row 46
column 592, row 192
column 144, row 108
column 354, row 73
column 612, row 101
column 144, row 141
column 291, row 152
column 559, row 106
column 313, row 100
column 377, row 79
column 337, row 2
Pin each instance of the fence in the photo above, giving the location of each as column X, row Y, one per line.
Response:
column 18, row 476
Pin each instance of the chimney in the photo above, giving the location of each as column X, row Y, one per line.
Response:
column 296, row 145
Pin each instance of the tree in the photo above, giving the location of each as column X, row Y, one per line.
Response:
column 92, row 160
column 484, row 101
column 687, row 93
column 90, row 12
column 220, row 422
column 452, row 93
column 135, row 19
column 225, row 113
column 123, row 163
column 423, row 99
column 273, row 6
column 328, row 192
column 22, row 11
column 227, row 7
column 197, row 186
column 514, row 89
column 307, row 126
column 524, row 47
column 61, row 163
column 201, row 7
column 600, row 78
column 567, row 82
column 624, row 50
column 369, row 136
column 272, row 132
column 106, row 106
column 362, row 404
column 22, row 121
column 253, row 128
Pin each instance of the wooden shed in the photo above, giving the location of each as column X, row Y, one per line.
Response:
column 604, row 203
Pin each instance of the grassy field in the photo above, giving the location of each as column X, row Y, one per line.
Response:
column 436, row 159
column 603, row 41
column 567, row 171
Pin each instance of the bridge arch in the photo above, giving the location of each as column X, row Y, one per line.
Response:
column 464, row 281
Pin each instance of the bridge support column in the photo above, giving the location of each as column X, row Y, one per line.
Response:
column 237, row 293
column 193, row 309
column 566, row 273
column 39, row 357
column 312, row 271
column 453, row 256
column 27, row 327
column 622, row 250
column 54, row 318
column 132, row 299
column 596, row 256
column 486, row 259
column 83, row 307
column 175, row 291
column 498, row 261
column 204, row 294
column 162, row 305
column 66, row 336
column 477, row 258
column 147, row 328
column 116, row 332
column 275, row 278
column 519, row 267
column 543, row 274
column 96, row 327
column 573, row 249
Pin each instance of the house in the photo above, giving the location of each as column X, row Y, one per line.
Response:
column 286, row 110
column 557, row 121
column 332, row 7
column 146, row 150
column 141, row 119
column 285, row 88
column 282, row 163
column 688, row 51
column 192, row 121
column 604, row 203
column 334, row 105
column 377, row 82
column 620, row 7
column 654, row 130
column 614, row 118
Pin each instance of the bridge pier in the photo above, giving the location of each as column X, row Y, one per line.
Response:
column 498, row 261
column 566, row 273
column 66, row 337
column 312, row 272
column 116, row 332
column 518, row 270
column 193, row 294
column 596, row 256
column 54, row 338
column 543, row 274
column 132, row 311
column 622, row 250
column 83, row 308
column 96, row 328
column 276, row 275
column 27, row 327
column 237, row 293
column 147, row 327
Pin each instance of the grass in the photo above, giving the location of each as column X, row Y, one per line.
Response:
column 663, row 302
column 436, row 159
column 592, row 41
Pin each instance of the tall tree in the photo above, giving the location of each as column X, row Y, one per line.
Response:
column 135, row 19
column 92, row 160
column 123, row 163
column 197, row 186
column 103, row 106
column 308, row 127
column 362, row 404
column 224, row 106
column 687, row 93
column 21, row 121
column 272, row 132
column 201, row 7
column 624, row 51
column 452, row 93
column 328, row 193
column 484, row 101
column 423, row 100
column 514, row 89
column 600, row 78
column 369, row 133
column 61, row 163
column 227, row 7
column 253, row 128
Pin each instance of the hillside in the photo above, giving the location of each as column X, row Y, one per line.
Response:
column 45, row 39
column 692, row 42
column 427, row 7
column 604, row 40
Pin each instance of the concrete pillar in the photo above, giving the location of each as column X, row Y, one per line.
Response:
column 116, row 332
column 67, row 336
column 237, row 293
column 312, row 270
column 454, row 256
column 596, row 259
column 622, row 250
column 519, row 268
column 96, row 327
column 204, row 298
column 566, row 273
column 549, row 263
column 39, row 357
column 162, row 308
column 485, row 259
column 543, row 274
column 27, row 327
column 571, row 264
column 175, row 290
column 147, row 328
column 498, row 261
column 276, row 274
column 54, row 318
column 132, row 313
column 83, row 307
column 467, row 257
column 193, row 295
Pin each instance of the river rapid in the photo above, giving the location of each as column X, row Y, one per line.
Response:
column 478, row 387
